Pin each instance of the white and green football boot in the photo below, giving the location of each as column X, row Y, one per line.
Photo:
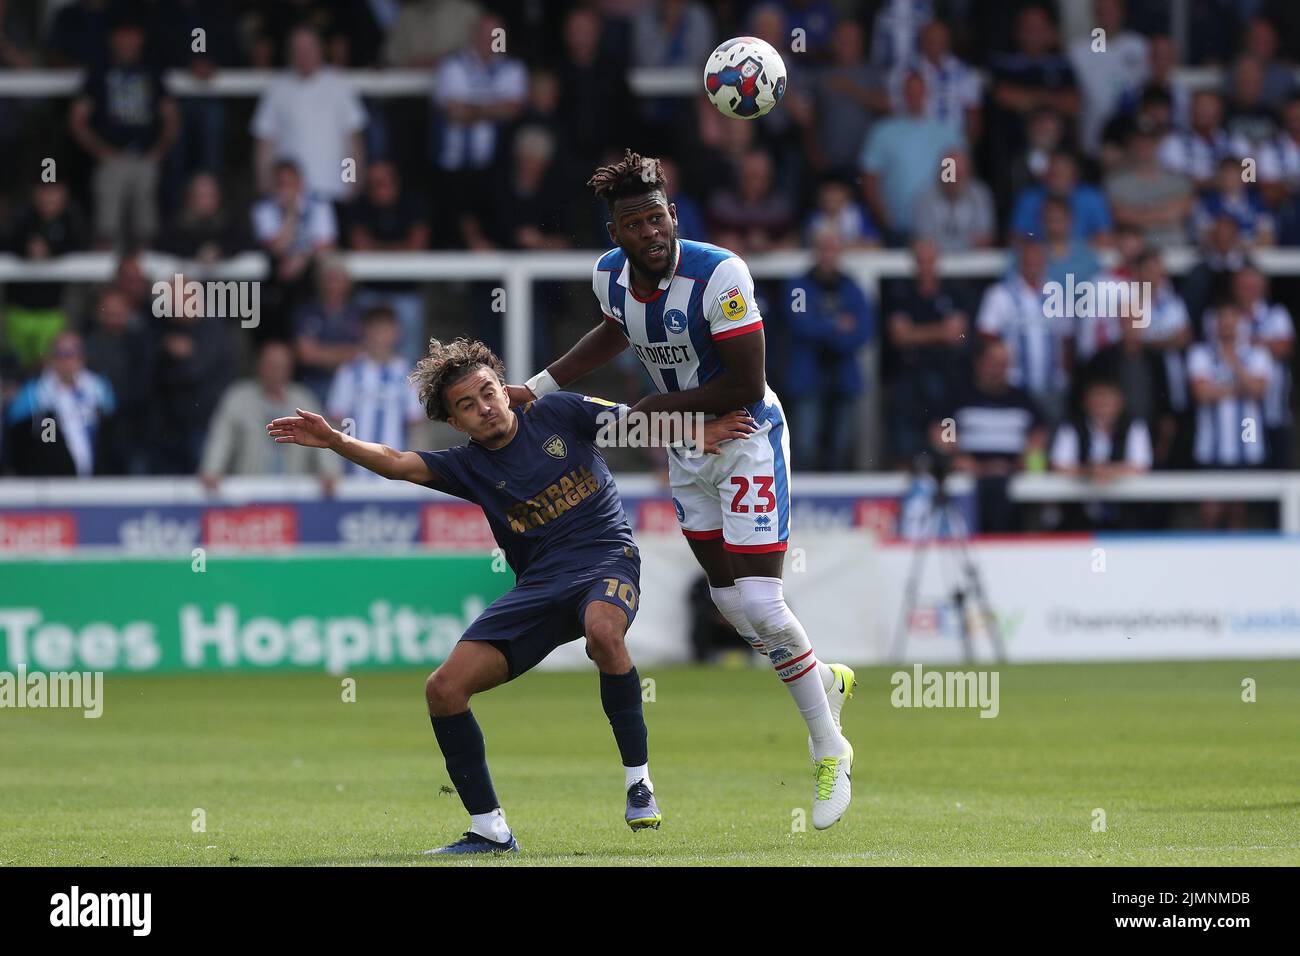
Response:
column 832, row 789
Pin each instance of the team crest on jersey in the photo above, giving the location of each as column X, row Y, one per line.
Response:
column 733, row 304
column 675, row 320
column 554, row 446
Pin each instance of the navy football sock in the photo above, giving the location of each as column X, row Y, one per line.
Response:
column 462, row 747
column 620, row 694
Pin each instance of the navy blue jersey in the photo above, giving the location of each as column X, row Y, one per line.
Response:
column 548, row 495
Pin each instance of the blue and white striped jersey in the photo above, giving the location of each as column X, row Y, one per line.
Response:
column 378, row 399
column 708, row 296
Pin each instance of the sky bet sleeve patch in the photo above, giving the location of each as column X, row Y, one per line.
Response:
column 599, row 401
column 733, row 304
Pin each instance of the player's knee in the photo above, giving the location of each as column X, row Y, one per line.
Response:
column 728, row 602
column 444, row 694
column 604, row 644
column 763, row 603
column 605, row 636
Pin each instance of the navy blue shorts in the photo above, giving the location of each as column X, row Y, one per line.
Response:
column 535, row 617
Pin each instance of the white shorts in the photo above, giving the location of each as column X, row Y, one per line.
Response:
column 741, row 495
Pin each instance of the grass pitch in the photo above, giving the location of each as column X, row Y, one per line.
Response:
column 284, row 772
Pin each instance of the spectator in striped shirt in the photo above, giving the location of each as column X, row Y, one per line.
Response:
column 371, row 392
column 953, row 91
column 1269, row 325
column 1196, row 152
column 1232, row 197
column 1229, row 381
column 1279, row 174
column 895, row 30
column 994, row 429
column 1230, row 377
column 1039, row 346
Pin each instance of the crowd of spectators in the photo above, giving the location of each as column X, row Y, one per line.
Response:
column 1063, row 131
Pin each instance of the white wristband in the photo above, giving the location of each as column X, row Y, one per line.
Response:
column 543, row 383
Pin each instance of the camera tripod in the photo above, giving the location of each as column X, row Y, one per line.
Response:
column 957, row 565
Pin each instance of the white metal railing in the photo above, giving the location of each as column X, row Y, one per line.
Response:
column 644, row 81
column 1282, row 487
column 518, row 271
column 672, row 81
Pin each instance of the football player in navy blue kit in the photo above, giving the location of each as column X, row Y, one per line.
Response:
column 554, row 510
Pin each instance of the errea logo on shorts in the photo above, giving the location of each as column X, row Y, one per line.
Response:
column 763, row 523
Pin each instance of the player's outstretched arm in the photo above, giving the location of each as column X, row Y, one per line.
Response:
column 592, row 351
column 741, row 382
column 312, row 430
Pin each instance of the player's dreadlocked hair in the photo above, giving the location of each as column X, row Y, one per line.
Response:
column 633, row 175
column 445, row 365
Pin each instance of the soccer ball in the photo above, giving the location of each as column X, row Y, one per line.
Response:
column 744, row 78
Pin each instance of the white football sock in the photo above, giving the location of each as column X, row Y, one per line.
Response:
column 728, row 602
column 632, row 774
column 792, row 656
column 491, row 825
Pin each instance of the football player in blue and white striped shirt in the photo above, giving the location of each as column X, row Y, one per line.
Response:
column 689, row 312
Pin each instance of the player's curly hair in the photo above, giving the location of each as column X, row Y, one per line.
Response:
column 445, row 365
column 633, row 175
